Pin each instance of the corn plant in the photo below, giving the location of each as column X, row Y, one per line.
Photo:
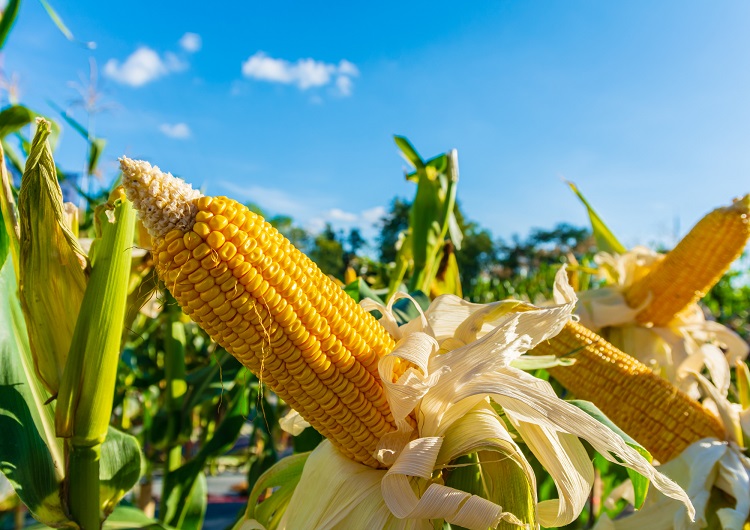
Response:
column 424, row 252
column 62, row 314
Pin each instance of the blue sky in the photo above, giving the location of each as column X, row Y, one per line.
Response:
column 293, row 105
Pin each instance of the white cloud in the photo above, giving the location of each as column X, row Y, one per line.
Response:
column 174, row 63
column 373, row 215
column 191, row 42
column 337, row 214
column 143, row 66
column 344, row 84
column 179, row 131
column 272, row 199
column 304, row 73
column 347, row 68
column 315, row 225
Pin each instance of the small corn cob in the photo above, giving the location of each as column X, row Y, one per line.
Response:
column 687, row 273
column 271, row 307
column 651, row 410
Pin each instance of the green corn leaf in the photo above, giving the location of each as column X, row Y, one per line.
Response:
column 180, row 484
column 447, row 279
column 30, row 455
column 283, row 478
column 8, row 19
column 119, row 469
column 429, row 217
column 13, row 118
column 75, row 124
column 127, row 517
column 4, row 240
column 404, row 309
column 57, row 20
column 403, row 261
column 9, row 228
column 359, row 290
column 96, row 147
column 640, row 483
column 11, row 156
column 408, row 152
column 605, row 239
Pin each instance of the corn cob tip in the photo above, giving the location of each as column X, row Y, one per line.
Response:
column 742, row 204
column 163, row 202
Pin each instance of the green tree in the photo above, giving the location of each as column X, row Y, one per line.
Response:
column 391, row 225
column 328, row 252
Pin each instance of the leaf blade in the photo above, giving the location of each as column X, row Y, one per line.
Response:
column 605, row 239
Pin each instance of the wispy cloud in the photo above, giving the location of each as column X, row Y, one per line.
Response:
column 272, row 199
column 279, row 201
column 373, row 215
column 179, row 131
column 143, row 66
column 365, row 220
column 304, row 73
column 336, row 214
column 191, row 42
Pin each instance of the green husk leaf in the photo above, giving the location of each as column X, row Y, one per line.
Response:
column 87, row 387
column 605, row 239
column 498, row 478
column 52, row 278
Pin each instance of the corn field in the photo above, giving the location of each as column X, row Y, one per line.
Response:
column 155, row 340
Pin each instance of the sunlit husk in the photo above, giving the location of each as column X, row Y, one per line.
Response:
column 461, row 359
column 52, row 277
column 87, row 389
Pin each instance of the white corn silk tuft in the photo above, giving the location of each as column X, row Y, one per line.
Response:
column 163, row 202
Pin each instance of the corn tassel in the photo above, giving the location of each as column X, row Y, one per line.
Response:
column 651, row 410
column 271, row 307
column 689, row 271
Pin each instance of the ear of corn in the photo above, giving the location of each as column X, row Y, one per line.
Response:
column 52, row 278
column 698, row 261
column 651, row 410
column 264, row 301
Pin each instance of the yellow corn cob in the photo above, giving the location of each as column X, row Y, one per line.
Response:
column 686, row 273
column 271, row 307
column 651, row 410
